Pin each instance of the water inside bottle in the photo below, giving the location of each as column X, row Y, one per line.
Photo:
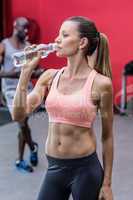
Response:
column 46, row 49
column 20, row 58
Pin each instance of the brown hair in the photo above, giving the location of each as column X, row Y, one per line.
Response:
column 102, row 63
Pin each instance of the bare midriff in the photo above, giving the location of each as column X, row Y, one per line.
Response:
column 69, row 141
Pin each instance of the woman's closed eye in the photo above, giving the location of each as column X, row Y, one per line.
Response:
column 65, row 35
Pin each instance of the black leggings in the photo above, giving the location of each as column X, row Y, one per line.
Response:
column 81, row 177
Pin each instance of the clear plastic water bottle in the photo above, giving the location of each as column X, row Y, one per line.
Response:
column 20, row 58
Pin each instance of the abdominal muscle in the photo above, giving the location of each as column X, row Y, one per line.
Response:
column 69, row 141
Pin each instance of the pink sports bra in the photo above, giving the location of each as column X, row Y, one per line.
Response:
column 76, row 108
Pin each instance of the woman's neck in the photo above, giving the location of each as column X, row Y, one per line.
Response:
column 77, row 66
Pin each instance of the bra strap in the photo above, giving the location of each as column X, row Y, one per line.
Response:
column 89, row 82
column 56, row 78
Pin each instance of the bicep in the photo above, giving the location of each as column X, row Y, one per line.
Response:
column 35, row 98
column 37, row 95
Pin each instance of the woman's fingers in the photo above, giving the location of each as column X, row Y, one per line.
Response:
column 30, row 52
column 36, row 59
column 29, row 48
column 31, row 64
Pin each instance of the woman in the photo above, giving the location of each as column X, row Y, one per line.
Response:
column 73, row 95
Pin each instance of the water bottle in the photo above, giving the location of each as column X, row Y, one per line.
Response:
column 20, row 58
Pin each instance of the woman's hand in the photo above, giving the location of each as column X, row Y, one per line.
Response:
column 105, row 193
column 32, row 58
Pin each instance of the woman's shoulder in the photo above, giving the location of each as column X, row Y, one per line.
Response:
column 102, row 82
column 52, row 72
column 48, row 75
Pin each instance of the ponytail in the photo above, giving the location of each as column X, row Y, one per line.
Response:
column 103, row 64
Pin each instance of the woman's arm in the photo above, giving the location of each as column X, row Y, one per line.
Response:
column 106, row 109
column 24, row 104
column 16, row 74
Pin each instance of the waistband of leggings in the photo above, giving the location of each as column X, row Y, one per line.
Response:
column 72, row 161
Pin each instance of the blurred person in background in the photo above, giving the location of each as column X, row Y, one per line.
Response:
column 17, row 42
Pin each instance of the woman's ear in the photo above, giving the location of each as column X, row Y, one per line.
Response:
column 83, row 43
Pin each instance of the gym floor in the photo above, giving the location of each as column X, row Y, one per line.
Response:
column 15, row 185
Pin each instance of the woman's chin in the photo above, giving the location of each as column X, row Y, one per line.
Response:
column 59, row 54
